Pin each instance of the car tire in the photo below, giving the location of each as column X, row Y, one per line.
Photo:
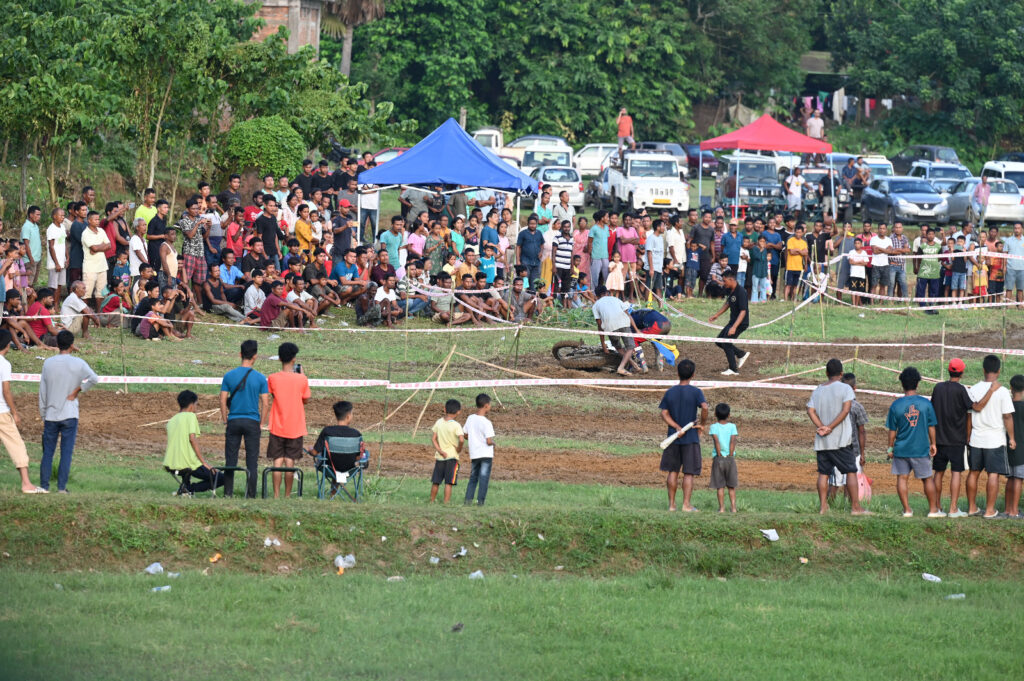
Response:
column 616, row 204
column 889, row 217
column 848, row 214
column 629, row 203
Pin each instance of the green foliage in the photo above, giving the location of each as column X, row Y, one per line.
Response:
column 267, row 144
column 961, row 57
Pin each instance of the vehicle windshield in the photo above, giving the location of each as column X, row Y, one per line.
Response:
column 546, row 158
column 1017, row 177
column 947, row 155
column 487, row 140
column 814, row 175
column 646, row 168
column 880, row 169
column 911, row 187
column 755, row 171
column 674, row 149
column 949, row 173
column 560, row 175
column 536, row 142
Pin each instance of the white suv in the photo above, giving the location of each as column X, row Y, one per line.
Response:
column 1005, row 170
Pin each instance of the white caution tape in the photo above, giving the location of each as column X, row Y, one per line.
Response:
column 210, row 380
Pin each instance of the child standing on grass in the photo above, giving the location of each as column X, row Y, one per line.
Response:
column 183, row 448
column 723, row 462
column 448, row 439
column 616, row 275
column 480, row 438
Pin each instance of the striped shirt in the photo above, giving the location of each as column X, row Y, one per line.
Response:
column 563, row 252
column 898, row 242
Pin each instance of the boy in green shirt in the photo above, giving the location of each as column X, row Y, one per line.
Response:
column 448, row 439
column 1015, row 479
column 183, row 449
column 723, row 465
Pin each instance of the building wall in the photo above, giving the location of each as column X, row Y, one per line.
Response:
column 301, row 17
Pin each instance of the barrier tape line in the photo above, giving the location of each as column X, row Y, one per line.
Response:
column 921, row 308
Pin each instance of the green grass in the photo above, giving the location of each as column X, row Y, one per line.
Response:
column 358, row 626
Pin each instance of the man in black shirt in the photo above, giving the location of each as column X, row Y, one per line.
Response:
column 231, row 192
column 736, row 304
column 157, row 232
column 323, row 181
column 817, row 242
column 269, row 231
column 305, row 178
column 703, row 235
column 342, row 444
column 255, row 258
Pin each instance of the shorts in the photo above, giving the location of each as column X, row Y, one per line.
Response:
column 953, row 456
column 842, row 459
column 55, row 278
column 193, row 268
column 723, row 472
column 627, row 139
column 284, row 447
column 1016, row 472
column 620, row 342
column 11, row 439
column 838, row 479
column 793, row 278
column 858, row 285
column 281, row 321
column 75, row 326
column 921, row 465
column 991, row 461
column 1014, row 280
column 958, row 282
column 445, row 472
column 94, row 282
column 690, row 277
column 879, row 275
column 995, row 287
column 685, row 457
column 794, row 201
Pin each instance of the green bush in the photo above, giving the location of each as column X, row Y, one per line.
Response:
column 265, row 144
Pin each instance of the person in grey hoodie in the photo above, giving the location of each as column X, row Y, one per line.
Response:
column 64, row 377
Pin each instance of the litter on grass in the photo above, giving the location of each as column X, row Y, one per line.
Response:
column 271, row 541
column 770, row 535
column 434, row 560
column 396, row 578
column 174, row 575
column 475, row 545
column 803, row 561
column 462, row 552
column 383, row 539
column 956, row 597
column 540, row 536
column 348, row 561
column 154, row 569
column 930, row 577
column 215, row 557
column 479, row 574
column 159, row 589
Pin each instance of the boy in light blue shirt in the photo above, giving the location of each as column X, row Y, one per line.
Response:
column 723, row 464
column 487, row 265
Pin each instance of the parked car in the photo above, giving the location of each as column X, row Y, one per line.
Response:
column 538, row 141
column 512, row 161
column 588, row 159
column 902, row 161
column 561, row 178
column 909, row 199
column 759, row 186
column 815, row 175
column 942, row 176
column 1005, row 203
column 674, row 150
column 706, row 159
column 646, row 180
column 598, row 192
column 1005, row 170
column 385, row 155
column 784, row 161
column 537, row 157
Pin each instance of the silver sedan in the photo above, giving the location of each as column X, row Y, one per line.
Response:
column 1005, row 204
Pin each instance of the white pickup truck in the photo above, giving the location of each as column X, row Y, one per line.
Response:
column 647, row 180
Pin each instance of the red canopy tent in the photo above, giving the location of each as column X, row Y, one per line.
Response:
column 764, row 134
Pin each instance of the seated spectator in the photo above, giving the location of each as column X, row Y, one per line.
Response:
column 296, row 293
column 254, row 296
column 21, row 331
column 183, row 307
column 75, row 315
column 350, row 285
column 255, row 258
column 40, row 317
column 383, row 269
column 716, row 284
column 138, row 290
column 183, row 454
column 151, row 296
column 443, row 306
column 154, row 323
column 215, row 298
column 387, row 298
column 342, row 442
column 231, row 277
column 278, row 313
column 121, row 271
column 115, row 306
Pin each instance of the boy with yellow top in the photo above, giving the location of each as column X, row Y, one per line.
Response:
column 448, row 438
column 796, row 260
column 183, row 453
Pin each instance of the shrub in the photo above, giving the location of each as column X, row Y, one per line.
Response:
column 264, row 144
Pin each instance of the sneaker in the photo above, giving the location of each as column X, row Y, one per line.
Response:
column 742, row 360
column 979, row 512
column 997, row 516
column 63, row 491
column 908, row 514
column 730, row 372
column 957, row 514
column 937, row 514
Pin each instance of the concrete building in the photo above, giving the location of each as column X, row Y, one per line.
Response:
column 302, row 17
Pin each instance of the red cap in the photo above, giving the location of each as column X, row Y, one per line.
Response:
column 345, row 203
column 956, row 365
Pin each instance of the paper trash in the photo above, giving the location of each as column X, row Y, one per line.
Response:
column 770, row 535
column 154, row 569
column 479, row 574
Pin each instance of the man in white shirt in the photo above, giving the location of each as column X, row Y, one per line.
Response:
column 57, row 254
column 387, row 298
column 75, row 314
column 795, row 191
column 880, row 245
column 94, row 263
column 137, row 252
column 815, row 126
column 480, row 439
column 991, row 429
column 612, row 315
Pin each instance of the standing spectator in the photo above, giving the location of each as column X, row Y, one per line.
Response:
column 64, row 377
column 723, row 463
column 597, row 247
column 815, row 126
column 952, row 404
column 562, row 246
column 759, row 270
column 859, row 419
column 928, row 271
column 979, row 201
column 654, row 253
column 57, row 254
column 244, row 406
column 795, row 184
column 289, row 391
column 10, row 420
column 991, row 431
column 448, row 439
column 305, row 179
column 911, row 423
column 193, row 264
column 1015, row 479
column 30, row 235
column 624, row 124
column 1014, row 246
column 828, row 409
column 157, row 233
column 796, row 261
column 78, row 226
column 138, row 254
column 528, row 249
column 775, row 244
column 94, row 262
column 269, row 232
column 897, row 268
column 480, row 440
column 881, row 246
column 369, row 206
column 679, row 407
column 703, row 235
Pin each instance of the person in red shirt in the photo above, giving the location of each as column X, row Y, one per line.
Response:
column 278, row 313
column 42, row 324
column 235, row 232
column 115, row 305
column 625, row 129
column 252, row 212
column 289, row 392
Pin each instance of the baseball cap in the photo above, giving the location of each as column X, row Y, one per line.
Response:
column 956, row 365
column 345, row 203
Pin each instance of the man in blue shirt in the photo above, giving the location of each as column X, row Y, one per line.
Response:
column 732, row 241
column 393, row 240
column 679, row 407
column 30, row 234
column 244, row 397
column 597, row 246
column 1014, row 245
column 775, row 245
column 911, row 423
column 489, row 233
column 528, row 248
column 346, row 276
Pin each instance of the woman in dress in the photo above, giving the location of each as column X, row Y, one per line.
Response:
column 579, row 244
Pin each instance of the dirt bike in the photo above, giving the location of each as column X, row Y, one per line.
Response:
column 573, row 354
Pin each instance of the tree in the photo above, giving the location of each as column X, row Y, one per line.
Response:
column 340, row 21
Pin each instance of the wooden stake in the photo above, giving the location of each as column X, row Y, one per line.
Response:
column 387, row 394
column 444, row 367
column 942, row 350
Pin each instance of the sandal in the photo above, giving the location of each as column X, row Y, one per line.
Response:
column 624, row 372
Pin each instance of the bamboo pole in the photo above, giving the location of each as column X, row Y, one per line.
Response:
column 444, row 367
column 942, row 350
column 380, row 447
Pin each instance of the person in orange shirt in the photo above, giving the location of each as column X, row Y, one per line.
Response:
column 289, row 392
column 625, row 125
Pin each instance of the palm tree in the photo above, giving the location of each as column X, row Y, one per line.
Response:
column 341, row 18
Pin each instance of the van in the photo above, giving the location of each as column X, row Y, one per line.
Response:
column 1005, row 170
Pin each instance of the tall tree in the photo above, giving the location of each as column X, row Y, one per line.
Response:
column 340, row 21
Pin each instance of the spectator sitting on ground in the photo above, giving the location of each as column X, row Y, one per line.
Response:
column 278, row 313
column 443, row 306
column 216, row 298
column 254, row 296
column 183, row 453
column 298, row 295
column 115, row 306
column 154, row 322
column 181, row 311
column 21, row 331
column 75, row 314
column 383, row 269
column 40, row 313
column 231, row 277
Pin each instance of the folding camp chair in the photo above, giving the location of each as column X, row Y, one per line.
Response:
column 330, row 480
column 183, row 476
